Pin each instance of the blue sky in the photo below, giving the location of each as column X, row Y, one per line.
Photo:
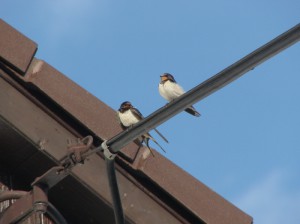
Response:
column 246, row 145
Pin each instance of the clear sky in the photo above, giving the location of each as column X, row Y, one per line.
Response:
column 246, row 144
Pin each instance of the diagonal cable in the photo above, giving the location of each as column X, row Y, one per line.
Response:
column 206, row 88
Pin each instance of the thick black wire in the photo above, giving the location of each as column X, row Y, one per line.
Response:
column 55, row 215
column 206, row 88
column 114, row 190
column 203, row 90
column 51, row 212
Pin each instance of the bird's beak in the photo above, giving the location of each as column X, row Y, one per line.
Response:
column 163, row 78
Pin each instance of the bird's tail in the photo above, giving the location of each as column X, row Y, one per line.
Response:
column 147, row 137
column 191, row 110
column 160, row 134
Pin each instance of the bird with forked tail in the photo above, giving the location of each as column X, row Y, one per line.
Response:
column 170, row 90
column 129, row 115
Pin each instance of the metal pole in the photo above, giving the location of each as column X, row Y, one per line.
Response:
column 206, row 88
column 114, row 191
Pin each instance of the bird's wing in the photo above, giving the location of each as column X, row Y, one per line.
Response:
column 139, row 116
column 177, row 89
column 147, row 136
column 137, row 113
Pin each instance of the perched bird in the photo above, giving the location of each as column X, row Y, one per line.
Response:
column 170, row 90
column 129, row 115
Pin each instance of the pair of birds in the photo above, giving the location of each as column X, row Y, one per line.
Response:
column 169, row 89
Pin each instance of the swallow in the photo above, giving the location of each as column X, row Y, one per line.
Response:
column 169, row 89
column 129, row 115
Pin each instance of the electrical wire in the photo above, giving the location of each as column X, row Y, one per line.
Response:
column 206, row 88
column 55, row 215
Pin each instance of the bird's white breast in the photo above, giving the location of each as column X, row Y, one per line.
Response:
column 127, row 118
column 170, row 90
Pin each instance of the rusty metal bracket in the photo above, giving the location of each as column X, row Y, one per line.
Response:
column 57, row 173
column 76, row 151
column 36, row 201
column 51, row 177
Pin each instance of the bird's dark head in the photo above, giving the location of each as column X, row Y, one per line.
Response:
column 125, row 106
column 165, row 77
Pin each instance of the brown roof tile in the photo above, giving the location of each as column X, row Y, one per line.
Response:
column 16, row 50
